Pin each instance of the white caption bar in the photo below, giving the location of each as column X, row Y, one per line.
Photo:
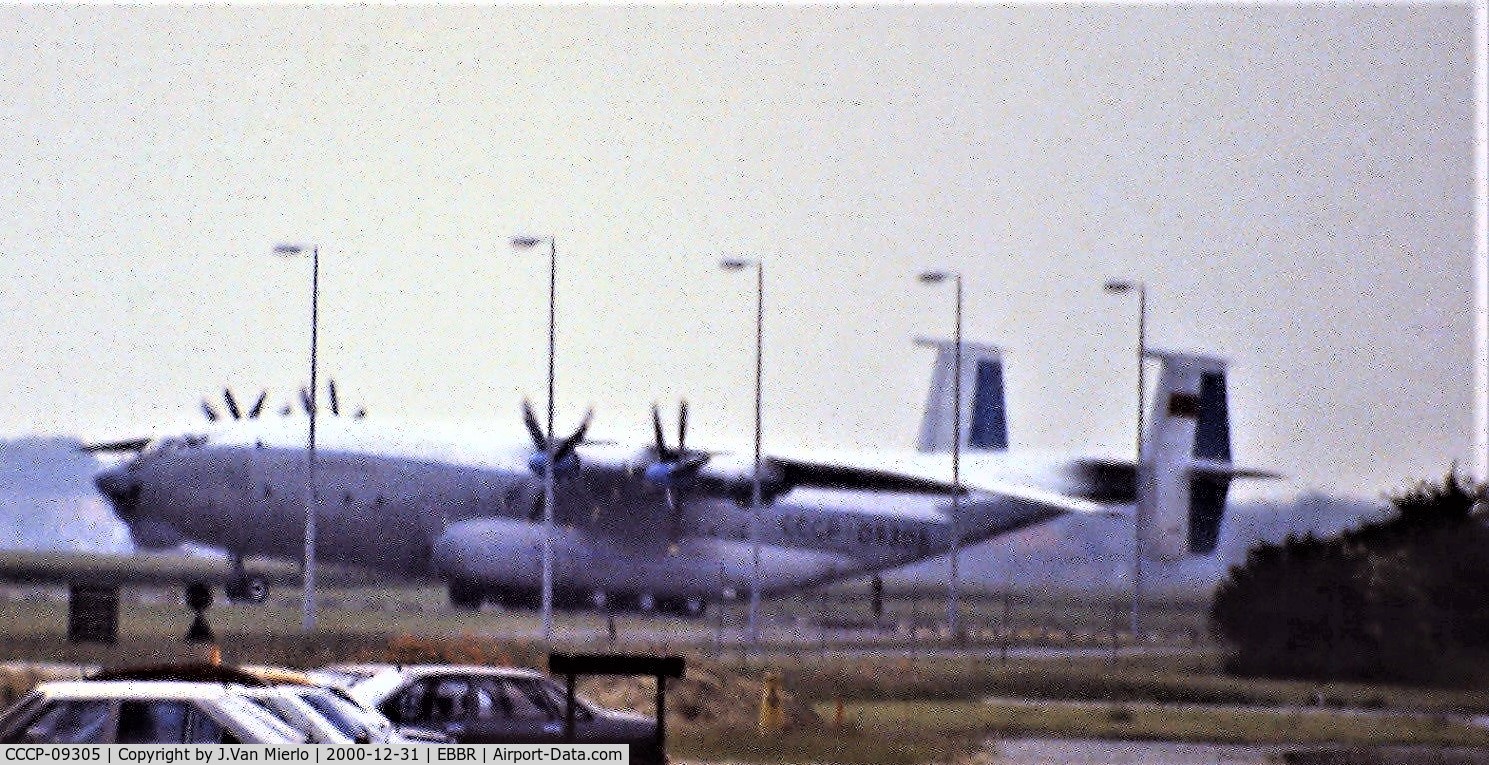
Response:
column 215, row 754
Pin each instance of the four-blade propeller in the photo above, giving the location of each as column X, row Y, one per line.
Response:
column 550, row 450
column 673, row 468
column 233, row 410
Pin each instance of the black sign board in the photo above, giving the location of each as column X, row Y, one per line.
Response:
column 570, row 665
column 92, row 614
column 614, row 664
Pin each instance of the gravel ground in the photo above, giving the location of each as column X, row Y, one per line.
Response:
column 1042, row 751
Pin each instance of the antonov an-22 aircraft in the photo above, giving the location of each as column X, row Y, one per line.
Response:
column 659, row 526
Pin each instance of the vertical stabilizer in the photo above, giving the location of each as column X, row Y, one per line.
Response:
column 1187, row 458
column 984, row 419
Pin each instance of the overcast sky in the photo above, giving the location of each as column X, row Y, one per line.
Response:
column 1293, row 183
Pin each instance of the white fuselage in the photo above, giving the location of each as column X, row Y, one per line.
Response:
column 463, row 507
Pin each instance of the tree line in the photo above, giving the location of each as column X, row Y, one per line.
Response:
column 1399, row 599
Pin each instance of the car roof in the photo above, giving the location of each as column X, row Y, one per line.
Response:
column 367, row 671
column 134, row 689
column 372, row 683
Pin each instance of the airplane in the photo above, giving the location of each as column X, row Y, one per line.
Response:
column 659, row 526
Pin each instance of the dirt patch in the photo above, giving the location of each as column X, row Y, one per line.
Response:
column 701, row 698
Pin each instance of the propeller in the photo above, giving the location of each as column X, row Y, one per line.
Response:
column 234, row 411
column 130, row 445
column 305, row 403
column 551, row 451
column 673, row 467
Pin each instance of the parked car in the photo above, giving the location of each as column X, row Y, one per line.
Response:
column 326, row 714
column 136, row 712
column 490, row 705
column 359, row 721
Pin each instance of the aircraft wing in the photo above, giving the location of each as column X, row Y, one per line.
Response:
column 909, row 476
column 75, row 567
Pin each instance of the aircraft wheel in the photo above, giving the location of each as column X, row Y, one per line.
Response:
column 251, row 589
column 465, row 596
column 688, row 608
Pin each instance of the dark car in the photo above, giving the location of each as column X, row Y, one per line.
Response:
column 491, row 705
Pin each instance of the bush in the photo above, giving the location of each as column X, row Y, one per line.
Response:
column 1398, row 599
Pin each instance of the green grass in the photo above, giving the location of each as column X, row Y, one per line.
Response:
column 901, row 709
column 1190, row 678
column 973, row 720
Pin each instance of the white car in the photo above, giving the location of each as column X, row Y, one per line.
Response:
column 136, row 712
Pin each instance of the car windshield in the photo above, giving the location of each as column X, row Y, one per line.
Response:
column 18, row 714
column 264, row 715
column 66, row 722
column 336, row 711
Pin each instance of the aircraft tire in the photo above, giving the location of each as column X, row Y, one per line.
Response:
column 466, row 596
column 251, row 589
column 687, row 608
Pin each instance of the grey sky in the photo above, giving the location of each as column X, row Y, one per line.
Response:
column 1293, row 183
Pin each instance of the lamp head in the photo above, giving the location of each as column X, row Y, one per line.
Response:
column 935, row 277
column 524, row 242
column 289, row 249
column 1118, row 286
column 735, row 264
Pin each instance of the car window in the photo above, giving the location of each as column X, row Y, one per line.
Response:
column 205, row 730
column 556, row 701
column 263, row 705
column 66, row 722
column 408, row 707
column 17, row 716
column 244, row 706
column 448, row 700
column 152, row 722
column 522, row 700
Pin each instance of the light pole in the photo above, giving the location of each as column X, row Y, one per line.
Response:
column 523, row 243
column 736, row 264
column 952, row 609
column 1139, row 516
column 307, row 622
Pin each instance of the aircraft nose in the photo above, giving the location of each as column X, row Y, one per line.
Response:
column 122, row 489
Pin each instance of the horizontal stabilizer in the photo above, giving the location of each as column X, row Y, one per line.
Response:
column 824, row 475
column 838, row 475
column 130, row 445
column 1226, row 470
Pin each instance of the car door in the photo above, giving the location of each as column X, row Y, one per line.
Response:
column 435, row 702
column 504, row 712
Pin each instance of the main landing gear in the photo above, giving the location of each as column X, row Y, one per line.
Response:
column 468, row 596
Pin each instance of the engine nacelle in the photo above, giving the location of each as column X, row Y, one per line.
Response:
column 152, row 534
column 463, row 552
